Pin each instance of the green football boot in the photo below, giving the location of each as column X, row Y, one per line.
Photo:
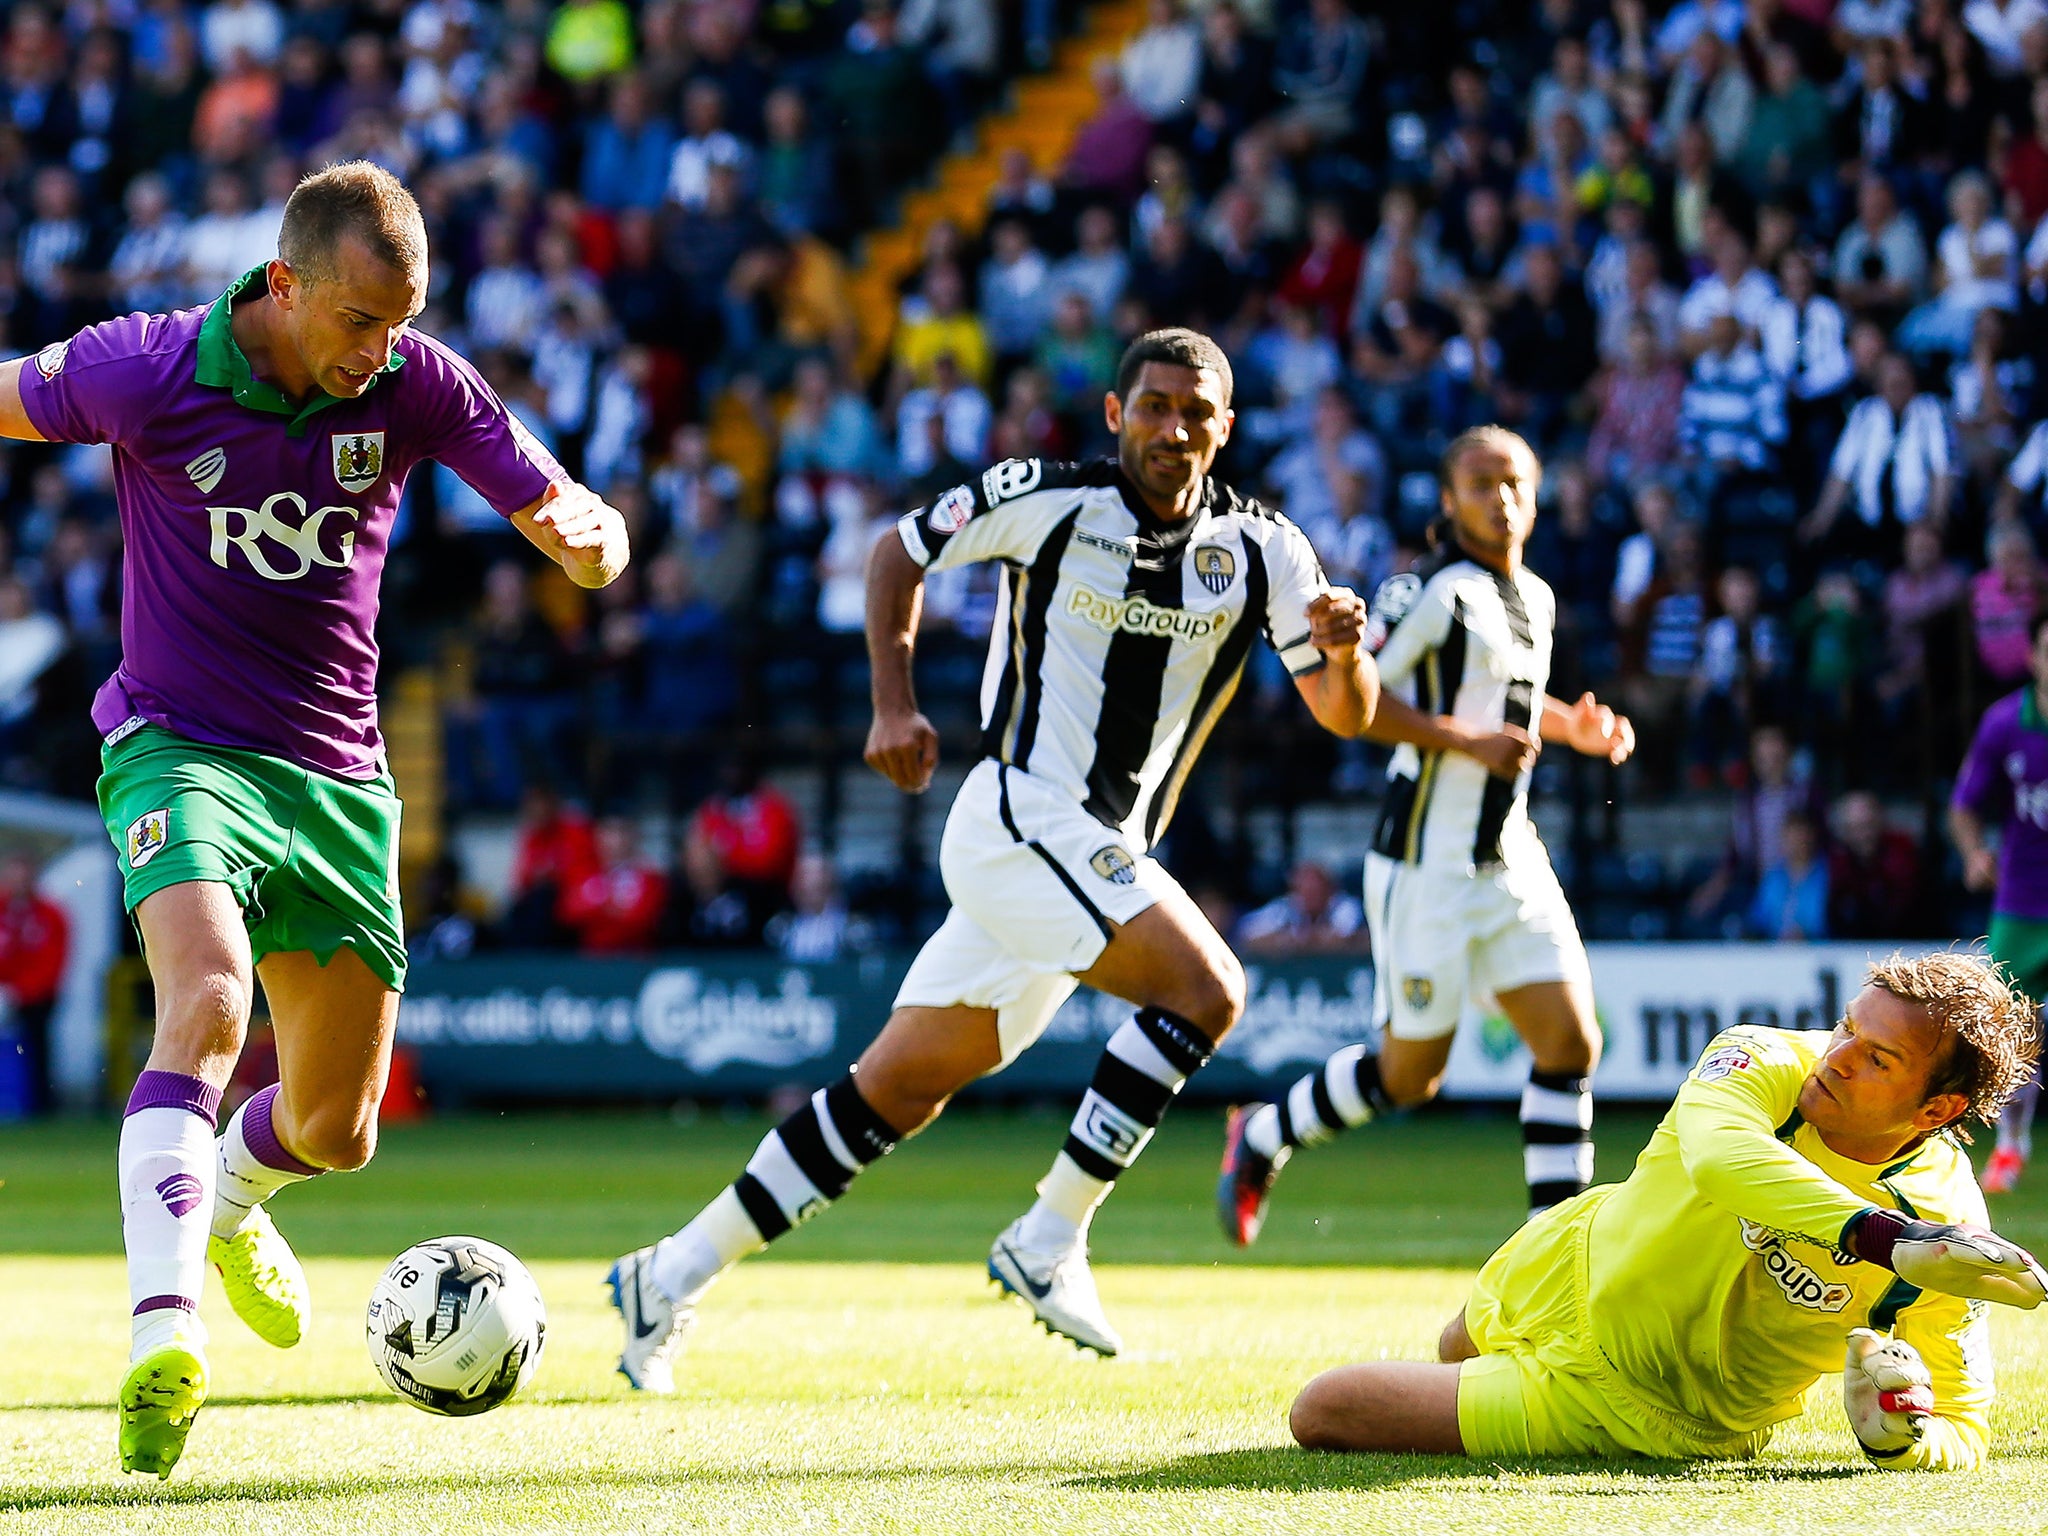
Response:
column 263, row 1278
column 160, row 1397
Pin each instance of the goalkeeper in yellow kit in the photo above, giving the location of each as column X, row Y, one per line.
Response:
column 1805, row 1207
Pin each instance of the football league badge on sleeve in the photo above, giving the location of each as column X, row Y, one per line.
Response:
column 952, row 511
column 358, row 459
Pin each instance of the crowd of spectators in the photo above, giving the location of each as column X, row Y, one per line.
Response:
column 1764, row 280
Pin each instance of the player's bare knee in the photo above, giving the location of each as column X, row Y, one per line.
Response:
column 906, row 1092
column 205, row 1015
column 1407, row 1089
column 1312, row 1419
column 1216, row 998
column 1454, row 1345
column 1570, row 1055
column 341, row 1141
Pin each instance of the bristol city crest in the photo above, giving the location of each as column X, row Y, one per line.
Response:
column 358, row 459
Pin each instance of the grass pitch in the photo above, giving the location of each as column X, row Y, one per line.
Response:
column 860, row 1377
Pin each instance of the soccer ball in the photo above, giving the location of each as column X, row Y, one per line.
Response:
column 455, row 1325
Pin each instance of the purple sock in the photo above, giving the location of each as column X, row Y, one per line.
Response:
column 254, row 1164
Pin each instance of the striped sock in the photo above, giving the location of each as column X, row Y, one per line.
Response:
column 1343, row 1092
column 167, row 1165
column 253, row 1164
column 1141, row 1069
column 801, row 1167
column 1557, row 1137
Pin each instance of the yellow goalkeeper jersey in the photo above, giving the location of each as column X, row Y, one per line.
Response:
column 1714, row 1280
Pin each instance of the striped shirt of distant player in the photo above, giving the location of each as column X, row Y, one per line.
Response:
column 1454, row 638
column 1118, row 639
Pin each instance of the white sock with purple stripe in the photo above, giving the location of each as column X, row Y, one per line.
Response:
column 253, row 1164
column 167, row 1175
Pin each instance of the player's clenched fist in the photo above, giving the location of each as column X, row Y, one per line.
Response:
column 589, row 531
column 1506, row 753
column 1336, row 620
column 904, row 749
column 1887, row 1392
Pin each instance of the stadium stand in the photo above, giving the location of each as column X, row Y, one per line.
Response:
column 1764, row 280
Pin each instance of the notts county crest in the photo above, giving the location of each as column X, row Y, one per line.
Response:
column 1418, row 991
column 1114, row 865
column 358, row 459
column 1216, row 566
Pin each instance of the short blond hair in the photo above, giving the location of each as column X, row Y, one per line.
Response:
column 355, row 198
column 1995, row 1027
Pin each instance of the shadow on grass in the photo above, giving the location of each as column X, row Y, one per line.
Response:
column 364, row 1399
column 1283, row 1469
column 134, row 1494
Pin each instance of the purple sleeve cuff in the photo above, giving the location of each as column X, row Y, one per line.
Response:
column 1872, row 1236
column 174, row 1090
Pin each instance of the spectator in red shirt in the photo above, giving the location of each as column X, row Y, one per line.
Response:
column 1873, row 874
column 2026, row 163
column 1326, row 277
column 556, row 853
column 752, row 829
column 616, row 908
column 35, row 938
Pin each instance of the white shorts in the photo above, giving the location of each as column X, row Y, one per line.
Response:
column 1442, row 936
column 1036, row 883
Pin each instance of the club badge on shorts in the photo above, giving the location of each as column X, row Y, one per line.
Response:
column 147, row 835
column 358, row 459
column 1417, row 991
column 1114, row 865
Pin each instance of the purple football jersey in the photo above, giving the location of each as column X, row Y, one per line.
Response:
column 255, row 531
column 2004, row 781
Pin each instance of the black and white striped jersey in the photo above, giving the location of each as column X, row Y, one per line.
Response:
column 1119, row 638
column 1454, row 638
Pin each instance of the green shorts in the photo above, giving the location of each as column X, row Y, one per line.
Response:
column 312, row 860
column 2020, row 944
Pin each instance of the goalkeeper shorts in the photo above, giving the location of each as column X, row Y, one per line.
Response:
column 1541, row 1386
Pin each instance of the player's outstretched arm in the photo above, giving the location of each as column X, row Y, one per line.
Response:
column 902, row 746
column 14, row 420
column 1954, row 1260
column 1344, row 692
column 1589, row 727
column 578, row 530
column 1505, row 753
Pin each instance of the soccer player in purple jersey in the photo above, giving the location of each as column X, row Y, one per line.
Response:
column 261, row 444
column 2004, row 781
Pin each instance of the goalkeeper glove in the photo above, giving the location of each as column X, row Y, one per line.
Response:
column 1954, row 1260
column 1887, row 1393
